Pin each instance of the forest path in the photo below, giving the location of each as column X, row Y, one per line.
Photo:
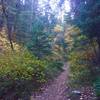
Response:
column 57, row 90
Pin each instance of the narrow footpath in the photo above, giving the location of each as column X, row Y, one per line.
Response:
column 57, row 90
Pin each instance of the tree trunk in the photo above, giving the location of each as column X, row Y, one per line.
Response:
column 9, row 30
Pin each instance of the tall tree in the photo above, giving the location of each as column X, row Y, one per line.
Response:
column 40, row 43
column 7, row 23
column 87, row 17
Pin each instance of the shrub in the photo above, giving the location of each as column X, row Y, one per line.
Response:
column 21, row 73
column 19, row 70
column 79, row 68
column 97, row 86
column 82, row 57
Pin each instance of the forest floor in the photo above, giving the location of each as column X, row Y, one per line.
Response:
column 56, row 90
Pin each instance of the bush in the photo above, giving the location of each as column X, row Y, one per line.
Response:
column 82, row 58
column 96, row 84
column 19, row 70
column 21, row 73
column 79, row 68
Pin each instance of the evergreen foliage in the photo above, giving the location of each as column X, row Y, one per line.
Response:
column 87, row 17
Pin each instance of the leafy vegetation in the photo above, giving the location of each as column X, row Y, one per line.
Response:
column 36, row 39
column 85, row 16
column 20, row 67
column 23, row 69
column 22, row 72
column 80, row 58
column 97, row 86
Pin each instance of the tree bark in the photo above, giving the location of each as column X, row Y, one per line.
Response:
column 9, row 30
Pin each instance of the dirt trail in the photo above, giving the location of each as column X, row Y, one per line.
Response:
column 56, row 90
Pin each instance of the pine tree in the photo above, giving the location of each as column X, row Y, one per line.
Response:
column 87, row 17
column 40, row 43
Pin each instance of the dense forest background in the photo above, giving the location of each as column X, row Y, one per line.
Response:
column 37, row 37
